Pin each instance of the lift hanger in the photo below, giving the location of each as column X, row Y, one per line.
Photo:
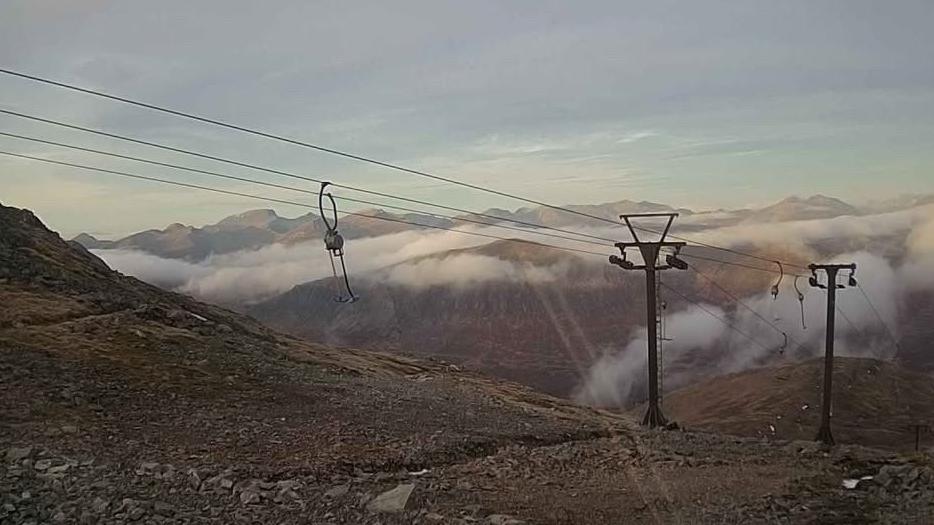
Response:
column 801, row 301
column 334, row 243
column 781, row 275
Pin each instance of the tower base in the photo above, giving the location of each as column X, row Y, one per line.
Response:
column 824, row 435
column 654, row 417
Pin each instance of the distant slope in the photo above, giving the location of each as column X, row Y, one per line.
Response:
column 543, row 333
column 874, row 402
column 915, row 347
column 517, row 328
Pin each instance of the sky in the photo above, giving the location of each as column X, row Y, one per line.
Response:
column 695, row 104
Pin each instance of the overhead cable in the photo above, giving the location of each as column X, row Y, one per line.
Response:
column 299, row 204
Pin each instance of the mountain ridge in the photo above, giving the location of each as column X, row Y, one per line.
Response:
column 254, row 229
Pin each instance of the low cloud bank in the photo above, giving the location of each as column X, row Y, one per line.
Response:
column 171, row 274
column 918, row 270
column 462, row 271
column 250, row 276
column 618, row 378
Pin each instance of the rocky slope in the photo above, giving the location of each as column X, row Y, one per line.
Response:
column 126, row 404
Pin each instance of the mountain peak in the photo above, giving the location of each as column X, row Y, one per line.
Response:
column 804, row 208
column 259, row 218
column 85, row 238
column 91, row 242
column 815, row 200
column 177, row 227
column 30, row 252
column 824, row 200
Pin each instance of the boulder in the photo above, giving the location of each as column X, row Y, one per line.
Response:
column 14, row 454
column 336, row 492
column 503, row 519
column 392, row 501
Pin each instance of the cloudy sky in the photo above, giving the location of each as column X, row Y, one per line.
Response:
column 699, row 104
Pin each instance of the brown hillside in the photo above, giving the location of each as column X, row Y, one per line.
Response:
column 874, row 403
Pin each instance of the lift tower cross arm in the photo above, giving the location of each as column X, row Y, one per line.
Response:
column 650, row 252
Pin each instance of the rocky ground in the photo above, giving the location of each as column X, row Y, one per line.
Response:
column 669, row 477
column 126, row 404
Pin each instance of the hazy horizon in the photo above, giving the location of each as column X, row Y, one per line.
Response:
column 292, row 212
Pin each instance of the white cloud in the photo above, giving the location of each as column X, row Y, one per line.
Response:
column 461, row 271
column 744, row 340
column 250, row 276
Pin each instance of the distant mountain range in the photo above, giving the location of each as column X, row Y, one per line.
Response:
column 251, row 230
column 257, row 228
column 557, row 219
